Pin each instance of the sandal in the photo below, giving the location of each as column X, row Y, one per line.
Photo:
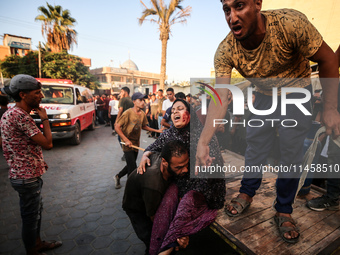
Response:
column 48, row 245
column 239, row 205
column 279, row 220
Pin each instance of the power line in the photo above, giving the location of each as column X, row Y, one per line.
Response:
column 91, row 38
column 18, row 22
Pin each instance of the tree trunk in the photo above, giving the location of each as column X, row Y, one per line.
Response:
column 164, row 40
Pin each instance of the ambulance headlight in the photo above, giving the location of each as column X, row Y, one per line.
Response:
column 62, row 116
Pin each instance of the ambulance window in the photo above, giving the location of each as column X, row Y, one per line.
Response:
column 54, row 94
column 79, row 97
column 86, row 95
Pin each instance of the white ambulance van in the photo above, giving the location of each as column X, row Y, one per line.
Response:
column 70, row 109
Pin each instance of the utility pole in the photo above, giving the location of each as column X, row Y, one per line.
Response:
column 39, row 63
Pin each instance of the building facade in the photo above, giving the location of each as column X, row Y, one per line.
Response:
column 112, row 79
column 15, row 45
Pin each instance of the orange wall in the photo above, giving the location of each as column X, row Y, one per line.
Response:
column 4, row 51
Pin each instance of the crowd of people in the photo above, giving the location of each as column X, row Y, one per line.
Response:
column 165, row 205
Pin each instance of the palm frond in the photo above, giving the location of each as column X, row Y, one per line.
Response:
column 143, row 4
column 57, row 26
column 40, row 17
column 58, row 9
column 146, row 13
column 44, row 11
column 156, row 6
column 181, row 16
column 164, row 14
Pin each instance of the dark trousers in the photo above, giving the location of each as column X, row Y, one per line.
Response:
column 119, row 141
column 101, row 117
column 154, row 124
column 260, row 141
column 142, row 225
column 333, row 183
column 130, row 158
column 30, row 209
column 106, row 116
column 113, row 121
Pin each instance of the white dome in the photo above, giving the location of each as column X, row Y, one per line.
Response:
column 130, row 65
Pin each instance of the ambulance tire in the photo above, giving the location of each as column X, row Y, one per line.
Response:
column 93, row 124
column 75, row 140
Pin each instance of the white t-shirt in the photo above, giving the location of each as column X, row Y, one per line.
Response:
column 114, row 107
column 166, row 104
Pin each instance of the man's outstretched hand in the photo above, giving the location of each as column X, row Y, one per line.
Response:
column 202, row 156
column 331, row 120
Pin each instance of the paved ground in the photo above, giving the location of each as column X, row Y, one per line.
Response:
column 81, row 206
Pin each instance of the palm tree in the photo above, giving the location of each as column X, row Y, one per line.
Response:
column 166, row 16
column 57, row 26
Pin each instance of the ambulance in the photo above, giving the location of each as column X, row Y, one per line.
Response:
column 70, row 109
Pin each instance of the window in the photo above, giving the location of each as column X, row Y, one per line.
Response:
column 129, row 80
column 103, row 78
column 144, row 81
column 86, row 95
column 116, row 78
column 80, row 98
column 54, row 94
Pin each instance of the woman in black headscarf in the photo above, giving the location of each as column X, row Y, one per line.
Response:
column 190, row 204
column 187, row 128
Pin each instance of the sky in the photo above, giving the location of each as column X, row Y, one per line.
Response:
column 109, row 33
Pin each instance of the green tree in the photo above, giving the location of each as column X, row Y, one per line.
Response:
column 62, row 65
column 57, row 26
column 13, row 65
column 165, row 17
column 10, row 66
column 54, row 65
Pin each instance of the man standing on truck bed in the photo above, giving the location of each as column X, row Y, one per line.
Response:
column 22, row 142
column 272, row 44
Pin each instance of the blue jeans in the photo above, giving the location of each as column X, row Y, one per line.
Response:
column 159, row 121
column 30, row 208
column 260, row 141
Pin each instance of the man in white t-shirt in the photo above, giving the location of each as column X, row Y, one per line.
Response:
column 113, row 112
column 168, row 102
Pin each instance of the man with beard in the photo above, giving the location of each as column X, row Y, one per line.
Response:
column 22, row 142
column 143, row 193
column 272, row 44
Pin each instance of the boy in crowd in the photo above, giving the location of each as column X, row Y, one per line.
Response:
column 128, row 126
